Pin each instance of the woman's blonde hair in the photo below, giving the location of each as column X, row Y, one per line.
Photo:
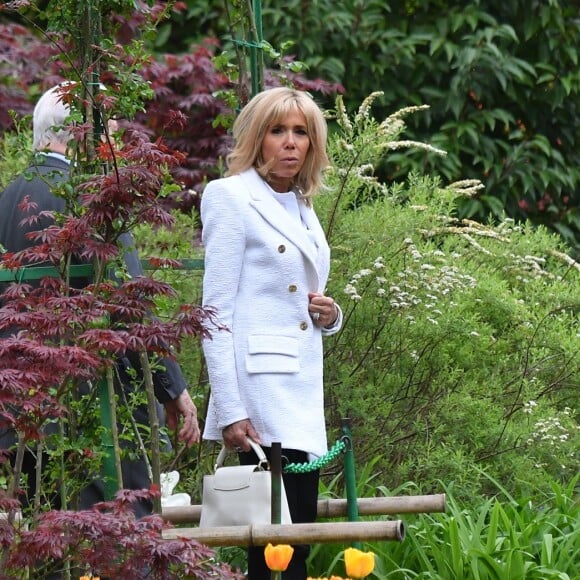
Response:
column 269, row 108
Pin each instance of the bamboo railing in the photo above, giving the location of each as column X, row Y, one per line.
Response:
column 319, row 533
column 337, row 508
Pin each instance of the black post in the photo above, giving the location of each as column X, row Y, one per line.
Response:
column 276, row 467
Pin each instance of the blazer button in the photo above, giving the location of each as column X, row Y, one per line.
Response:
column 281, row 248
column 303, row 325
column 292, row 288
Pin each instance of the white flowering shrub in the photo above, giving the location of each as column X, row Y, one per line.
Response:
column 452, row 328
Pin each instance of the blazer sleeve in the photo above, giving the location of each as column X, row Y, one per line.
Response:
column 336, row 325
column 224, row 238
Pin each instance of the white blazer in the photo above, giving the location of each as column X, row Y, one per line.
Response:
column 260, row 265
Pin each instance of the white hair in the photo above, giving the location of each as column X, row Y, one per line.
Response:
column 49, row 119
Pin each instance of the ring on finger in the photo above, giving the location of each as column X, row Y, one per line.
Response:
column 315, row 316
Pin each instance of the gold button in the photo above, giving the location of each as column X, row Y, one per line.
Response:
column 281, row 248
column 303, row 325
column 292, row 288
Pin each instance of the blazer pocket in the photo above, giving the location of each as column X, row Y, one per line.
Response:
column 269, row 353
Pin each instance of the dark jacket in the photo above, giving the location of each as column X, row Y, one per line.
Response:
column 36, row 183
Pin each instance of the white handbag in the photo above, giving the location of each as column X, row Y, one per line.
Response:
column 240, row 495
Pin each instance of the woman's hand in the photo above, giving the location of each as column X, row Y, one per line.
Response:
column 235, row 435
column 323, row 310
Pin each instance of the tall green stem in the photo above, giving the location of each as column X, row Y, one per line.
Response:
column 112, row 473
column 154, row 424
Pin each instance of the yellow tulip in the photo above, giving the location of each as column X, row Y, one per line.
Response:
column 278, row 557
column 358, row 564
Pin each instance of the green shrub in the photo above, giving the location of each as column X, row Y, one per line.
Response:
column 15, row 152
column 491, row 539
column 459, row 338
column 451, row 327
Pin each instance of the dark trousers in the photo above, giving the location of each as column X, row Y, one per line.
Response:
column 302, row 493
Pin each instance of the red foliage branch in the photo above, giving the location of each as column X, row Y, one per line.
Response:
column 108, row 541
column 69, row 331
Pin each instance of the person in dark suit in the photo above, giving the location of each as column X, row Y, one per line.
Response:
column 49, row 168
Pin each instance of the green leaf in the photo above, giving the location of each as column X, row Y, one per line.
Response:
column 164, row 32
column 491, row 543
column 543, row 144
column 547, row 550
column 567, row 83
column 546, row 78
column 456, row 549
column 500, row 76
column 436, row 44
column 495, row 204
column 572, row 52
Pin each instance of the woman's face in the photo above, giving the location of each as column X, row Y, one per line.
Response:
column 287, row 143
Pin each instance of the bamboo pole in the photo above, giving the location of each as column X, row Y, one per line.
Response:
column 337, row 508
column 154, row 426
column 111, row 470
column 317, row 533
column 374, row 506
column 256, row 54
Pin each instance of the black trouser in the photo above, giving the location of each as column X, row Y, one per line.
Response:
column 302, row 493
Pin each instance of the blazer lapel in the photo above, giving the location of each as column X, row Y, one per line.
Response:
column 271, row 211
column 316, row 234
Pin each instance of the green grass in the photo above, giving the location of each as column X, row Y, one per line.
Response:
column 493, row 538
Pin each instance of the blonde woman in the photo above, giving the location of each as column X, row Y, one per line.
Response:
column 266, row 266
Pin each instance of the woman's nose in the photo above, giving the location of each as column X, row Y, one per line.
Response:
column 290, row 139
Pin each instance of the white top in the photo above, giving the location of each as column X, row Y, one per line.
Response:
column 289, row 202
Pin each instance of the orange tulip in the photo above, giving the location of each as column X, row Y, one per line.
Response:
column 278, row 557
column 358, row 564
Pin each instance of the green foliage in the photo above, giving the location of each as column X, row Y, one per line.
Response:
column 447, row 322
column 179, row 241
column 501, row 78
column 485, row 539
column 459, row 353
column 12, row 145
column 498, row 538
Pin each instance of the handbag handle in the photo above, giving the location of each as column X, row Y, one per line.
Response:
column 262, row 460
